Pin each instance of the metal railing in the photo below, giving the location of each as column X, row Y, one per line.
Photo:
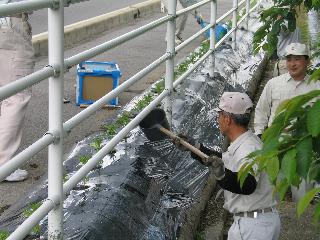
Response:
column 55, row 69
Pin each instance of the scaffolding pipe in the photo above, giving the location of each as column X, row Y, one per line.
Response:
column 26, row 227
column 90, row 53
column 170, row 39
column 55, row 151
column 247, row 13
column 25, row 82
column 213, row 18
column 25, row 155
column 234, row 24
column 85, row 169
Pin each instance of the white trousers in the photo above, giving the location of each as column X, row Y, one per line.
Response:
column 181, row 20
column 16, row 61
column 265, row 227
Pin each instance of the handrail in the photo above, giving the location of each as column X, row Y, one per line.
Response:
column 58, row 130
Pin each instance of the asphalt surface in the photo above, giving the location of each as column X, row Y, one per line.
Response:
column 78, row 12
column 131, row 57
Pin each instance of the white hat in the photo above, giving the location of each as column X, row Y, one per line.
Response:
column 235, row 103
column 298, row 49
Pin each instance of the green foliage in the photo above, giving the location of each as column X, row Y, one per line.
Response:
column 110, row 129
column 84, row 159
column 291, row 148
column 199, row 236
column 281, row 16
column 4, row 235
column 96, row 144
column 31, row 209
column 28, row 212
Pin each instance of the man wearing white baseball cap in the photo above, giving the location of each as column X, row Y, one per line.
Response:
column 283, row 87
column 252, row 205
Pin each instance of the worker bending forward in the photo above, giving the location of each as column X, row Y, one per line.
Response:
column 253, row 206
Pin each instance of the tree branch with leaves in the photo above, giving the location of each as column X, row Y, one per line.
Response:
column 291, row 150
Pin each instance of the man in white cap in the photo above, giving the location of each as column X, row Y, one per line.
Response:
column 16, row 61
column 283, row 87
column 252, row 205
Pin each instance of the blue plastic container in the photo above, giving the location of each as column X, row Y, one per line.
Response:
column 220, row 29
column 96, row 79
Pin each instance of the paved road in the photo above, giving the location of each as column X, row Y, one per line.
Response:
column 131, row 57
column 78, row 12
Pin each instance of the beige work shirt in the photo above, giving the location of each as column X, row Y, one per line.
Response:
column 233, row 159
column 276, row 91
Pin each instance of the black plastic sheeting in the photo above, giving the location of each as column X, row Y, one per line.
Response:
column 144, row 190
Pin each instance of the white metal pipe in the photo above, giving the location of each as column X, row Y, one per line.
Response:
column 170, row 39
column 24, row 6
column 193, row 37
column 26, row 227
column 90, row 53
column 25, row 155
column 212, row 36
column 191, row 69
column 192, row 7
column 234, row 23
column 55, row 151
column 245, row 16
column 247, row 13
column 75, row 120
column 25, row 82
column 85, row 169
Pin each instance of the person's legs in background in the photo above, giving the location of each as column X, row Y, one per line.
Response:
column 14, row 64
column 180, row 22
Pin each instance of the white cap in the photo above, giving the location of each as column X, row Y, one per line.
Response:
column 235, row 103
column 298, row 49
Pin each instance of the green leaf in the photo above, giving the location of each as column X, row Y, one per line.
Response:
column 245, row 169
column 297, row 102
column 316, row 144
column 273, row 168
column 313, row 117
column 291, row 21
column 304, row 156
column 305, row 200
column 316, row 216
column 314, row 172
column 296, row 181
column 308, row 4
column 289, row 164
column 271, row 134
column 282, row 187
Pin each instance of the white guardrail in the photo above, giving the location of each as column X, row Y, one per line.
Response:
column 55, row 69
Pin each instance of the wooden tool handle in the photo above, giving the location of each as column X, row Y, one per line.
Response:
column 185, row 144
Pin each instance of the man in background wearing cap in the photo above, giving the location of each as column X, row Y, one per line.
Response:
column 283, row 87
column 253, row 205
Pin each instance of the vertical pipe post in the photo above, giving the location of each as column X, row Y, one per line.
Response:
column 234, row 23
column 247, row 12
column 213, row 35
column 55, row 151
column 170, row 38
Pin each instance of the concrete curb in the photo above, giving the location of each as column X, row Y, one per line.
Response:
column 189, row 229
column 83, row 30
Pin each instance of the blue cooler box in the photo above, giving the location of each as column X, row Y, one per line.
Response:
column 96, row 79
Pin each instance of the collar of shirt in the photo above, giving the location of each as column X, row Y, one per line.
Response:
column 236, row 143
column 289, row 78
